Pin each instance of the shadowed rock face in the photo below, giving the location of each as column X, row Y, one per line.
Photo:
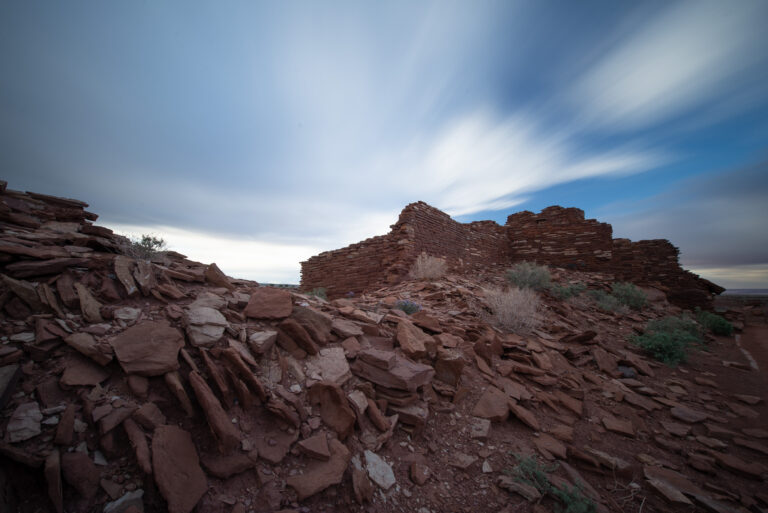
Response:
column 294, row 399
column 559, row 237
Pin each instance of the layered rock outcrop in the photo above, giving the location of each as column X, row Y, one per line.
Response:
column 557, row 236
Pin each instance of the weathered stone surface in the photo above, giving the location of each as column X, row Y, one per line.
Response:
column 345, row 328
column 261, row 342
column 735, row 464
column 334, row 409
column 81, row 371
column 529, row 492
column 620, row 426
column 130, row 502
column 81, row 473
column 321, row 475
column 330, row 364
column 316, row 323
column 403, row 374
column 140, row 446
column 90, row 308
column 87, row 345
column 53, row 478
column 419, row 473
column 177, row 469
column 144, row 275
column 269, row 303
column 294, row 331
column 379, row 470
column 150, row 348
column 550, row 447
column 226, row 466
column 214, row 276
column 124, row 271
column 149, row 416
column 449, row 366
column 9, row 375
column 316, row 447
column 25, row 422
column 492, row 405
column 525, row 416
column 173, row 382
column 361, row 484
column 66, row 429
column 205, row 325
column 412, row 339
column 114, row 418
column 688, row 415
column 25, row 291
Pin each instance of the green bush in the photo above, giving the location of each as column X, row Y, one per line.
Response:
column 528, row 275
column 409, row 307
column 567, row 291
column 145, row 247
column 669, row 339
column 573, row 499
column 604, row 300
column 529, row 471
column 714, row 323
column 318, row 292
column 628, row 294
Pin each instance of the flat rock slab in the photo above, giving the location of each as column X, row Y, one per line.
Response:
column 688, row 415
column 269, row 303
column 177, row 469
column 492, row 405
column 87, row 345
column 621, row 426
column 25, row 422
column 334, row 407
column 150, row 348
column 316, row 447
column 402, row 374
column 379, row 470
column 322, row 474
column 81, row 473
column 330, row 364
column 81, row 371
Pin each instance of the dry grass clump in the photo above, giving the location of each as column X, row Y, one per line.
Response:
column 513, row 309
column 428, row 267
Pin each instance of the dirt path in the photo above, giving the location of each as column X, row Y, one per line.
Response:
column 754, row 339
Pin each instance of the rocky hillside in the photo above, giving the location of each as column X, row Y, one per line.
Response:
column 162, row 385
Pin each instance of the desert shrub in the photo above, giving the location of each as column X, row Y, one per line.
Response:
column 669, row 339
column 628, row 294
column 529, row 275
column 428, row 267
column 407, row 306
column 514, row 309
column 529, row 471
column 567, row 291
column 573, row 500
column 714, row 323
column 145, row 247
column 604, row 300
column 318, row 292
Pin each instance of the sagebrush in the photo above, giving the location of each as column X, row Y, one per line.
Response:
column 145, row 247
column 669, row 339
column 569, row 499
column 408, row 306
column 629, row 295
column 513, row 309
column 567, row 291
column 714, row 323
column 428, row 267
column 529, row 275
column 318, row 292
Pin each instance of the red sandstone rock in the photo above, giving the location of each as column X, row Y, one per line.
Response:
column 177, row 469
column 412, row 339
column 492, row 405
column 269, row 303
column 334, row 408
column 81, row 473
column 218, row 420
column 321, row 475
column 53, row 478
column 403, row 374
column 87, row 345
column 214, row 276
column 316, row 447
column 298, row 335
column 140, row 446
column 150, row 348
column 226, row 466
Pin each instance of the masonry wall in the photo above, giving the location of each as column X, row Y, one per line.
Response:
column 561, row 237
column 557, row 236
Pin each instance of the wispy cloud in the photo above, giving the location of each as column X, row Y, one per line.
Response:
column 678, row 60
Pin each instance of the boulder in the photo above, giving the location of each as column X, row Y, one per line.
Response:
column 205, row 325
column 24, row 423
column 177, row 468
column 150, row 348
column 269, row 303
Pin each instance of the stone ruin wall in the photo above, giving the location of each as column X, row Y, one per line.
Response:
column 561, row 237
column 557, row 236
column 387, row 259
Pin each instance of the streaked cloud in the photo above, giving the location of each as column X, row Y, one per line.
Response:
column 688, row 54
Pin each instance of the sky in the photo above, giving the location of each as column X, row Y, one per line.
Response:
column 257, row 134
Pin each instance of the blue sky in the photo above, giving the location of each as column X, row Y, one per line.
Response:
column 257, row 134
